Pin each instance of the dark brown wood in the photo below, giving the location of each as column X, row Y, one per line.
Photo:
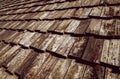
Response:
column 26, row 63
column 78, row 47
column 93, row 50
column 38, row 42
column 81, row 29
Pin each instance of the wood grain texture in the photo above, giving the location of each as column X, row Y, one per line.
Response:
column 47, row 67
column 65, row 47
column 72, row 26
column 40, row 39
column 55, row 44
column 83, row 12
column 61, row 28
column 110, row 75
column 81, row 29
column 78, row 47
column 8, row 53
column 75, row 71
column 60, row 69
column 6, row 75
column 16, row 62
column 36, row 66
column 94, row 26
column 107, row 28
column 47, row 42
column 117, row 28
column 96, row 12
column 110, row 54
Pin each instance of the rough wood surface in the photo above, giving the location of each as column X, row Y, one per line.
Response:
column 107, row 28
column 81, row 29
column 36, row 66
column 110, row 53
column 55, row 44
column 8, row 53
column 83, row 12
column 60, row 69
column 110, row 75
column 75, row 71
column 94, row 26
column 72, row 26
column 66, row 46
column 17, row 61
column 78, row 47
column 47, row 67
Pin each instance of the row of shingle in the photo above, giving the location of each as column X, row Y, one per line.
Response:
column 55, row 6
column 75, row 27
column 76, row 3
column 30, row 4
column 80, row 13
column 89, row 49
column 30, row 64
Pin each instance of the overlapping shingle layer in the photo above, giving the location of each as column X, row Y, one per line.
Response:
column 60, row 39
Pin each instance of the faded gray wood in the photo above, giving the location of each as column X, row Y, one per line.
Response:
column 72, row 26
column 65, row 47
column 26, row 37
column 55, row 44
column 112, row 1
column 46, row 26
column 96, row 12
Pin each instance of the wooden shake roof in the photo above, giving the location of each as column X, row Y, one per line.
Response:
column 60, row 39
